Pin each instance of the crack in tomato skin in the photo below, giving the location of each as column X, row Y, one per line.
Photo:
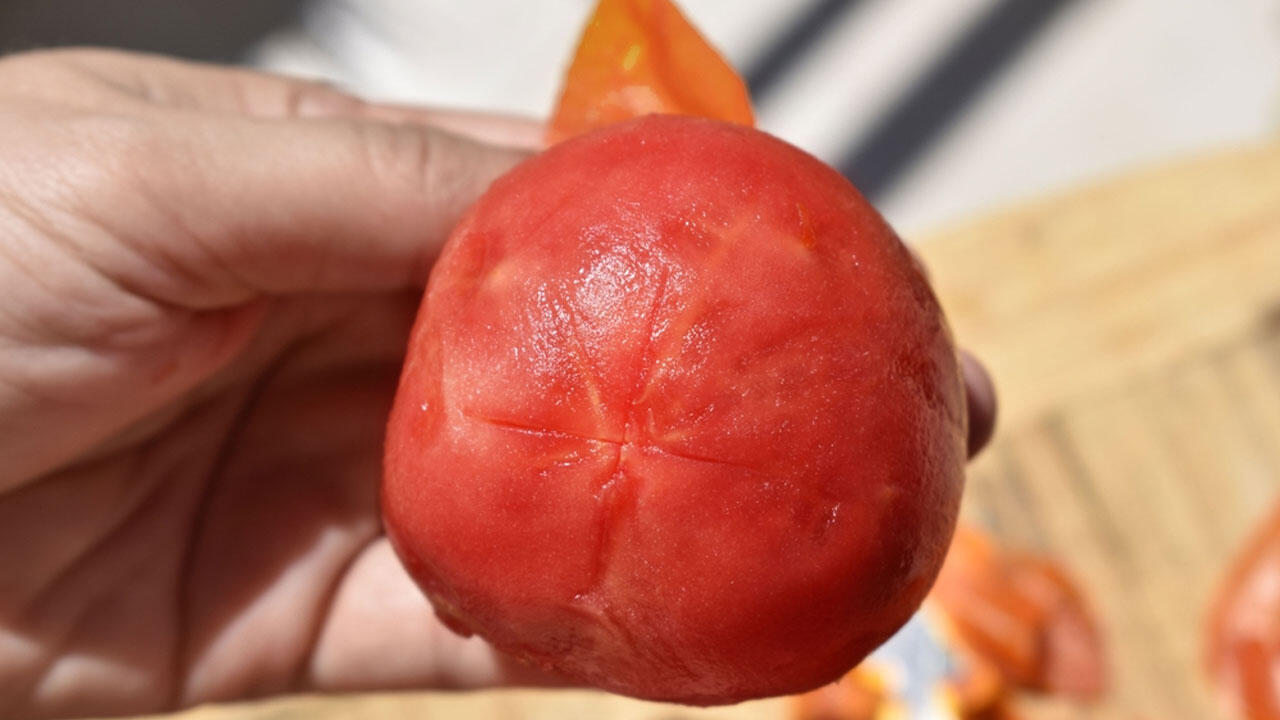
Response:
column 617, row 491
column 533, row 429
column 647, row 365
column 744, row 492
column 636, row 444
column 618, row 487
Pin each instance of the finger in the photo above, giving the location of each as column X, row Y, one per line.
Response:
column 980, row 394
column 494, row 128
column 381, row 633
column 173, row 83
column 185, row 85
column 216, row 211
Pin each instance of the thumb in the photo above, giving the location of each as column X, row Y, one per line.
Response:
column 231, row 208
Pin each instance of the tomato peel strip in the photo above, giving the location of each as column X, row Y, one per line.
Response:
column 638, row 57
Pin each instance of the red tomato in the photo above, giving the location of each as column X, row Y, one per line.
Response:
column 680, row 418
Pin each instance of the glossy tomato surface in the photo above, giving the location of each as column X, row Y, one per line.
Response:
column 680, row 418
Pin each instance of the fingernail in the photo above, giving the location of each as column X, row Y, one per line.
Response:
column 980, row 395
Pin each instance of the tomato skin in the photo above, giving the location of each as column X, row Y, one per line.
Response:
column 1022, row 615
column 1243, row 627
column 680, row 418
column 642, row 56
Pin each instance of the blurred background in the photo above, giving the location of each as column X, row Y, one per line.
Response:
column 935, row 108
column 1095, row 185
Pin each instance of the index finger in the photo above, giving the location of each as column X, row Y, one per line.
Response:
column 177, row 84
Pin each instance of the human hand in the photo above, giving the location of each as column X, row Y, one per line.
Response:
column 207, row 277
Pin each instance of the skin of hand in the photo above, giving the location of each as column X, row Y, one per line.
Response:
column 207, row 279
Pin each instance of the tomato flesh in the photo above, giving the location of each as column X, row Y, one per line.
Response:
column 680, row 418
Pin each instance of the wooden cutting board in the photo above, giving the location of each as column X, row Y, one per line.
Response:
column 1133, row 328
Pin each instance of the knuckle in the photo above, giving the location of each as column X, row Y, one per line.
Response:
column 304, row 99
column 400, row 158
column 277, row 97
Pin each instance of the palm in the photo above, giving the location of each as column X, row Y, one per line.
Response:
column 231, row 546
